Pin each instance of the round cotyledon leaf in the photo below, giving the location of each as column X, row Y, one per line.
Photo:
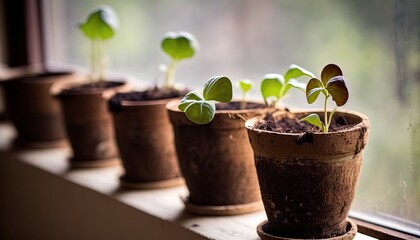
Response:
column 188, row 99
column 313, row 89
column 218, row 88
column 314, row 120
column 245, row 85
column 201, row 112
column 338, row 90
column 330, row 71
column 179, row 45
column 199, row 108
column 101, row 23
column 271, row 86
column 296, row 71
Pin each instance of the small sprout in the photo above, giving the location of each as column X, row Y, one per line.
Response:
column 274, row 86
column 199, row 108
column 178, row 45
column 331, row 85
column 245, row 85
column 99, row 26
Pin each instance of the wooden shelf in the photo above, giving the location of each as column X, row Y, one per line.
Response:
column 43, row 199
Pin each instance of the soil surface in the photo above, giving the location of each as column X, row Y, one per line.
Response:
column 237, row 106
column 291, row 124
column 154, row 93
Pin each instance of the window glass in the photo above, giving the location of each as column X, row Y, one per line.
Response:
column 375, row 42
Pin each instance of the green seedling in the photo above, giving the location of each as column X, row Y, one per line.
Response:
column 245, row 85
column 99, row 26
column 275, row 86
column 179, row 46
column 200, row 108
column 331, row 85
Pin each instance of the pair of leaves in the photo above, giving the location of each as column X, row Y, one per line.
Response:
column 331, row 84
column 179, row 45
column 275, row 86
column 199, row 108
column 101, row 23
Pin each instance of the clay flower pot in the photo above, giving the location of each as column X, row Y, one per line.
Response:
column 145, row 141
column 33, row 111
column 88, row 122
column 217, row 162
column 308, row 180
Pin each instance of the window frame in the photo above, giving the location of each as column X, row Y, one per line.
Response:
column 31, row 17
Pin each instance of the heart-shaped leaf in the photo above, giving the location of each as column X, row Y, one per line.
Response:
column 330, row 71
column 245, row 85
column 188, row 99
column 219, row 89
column 271, row 86
column 313, row 89
column 314, row 120
column 296, row 71
column 338, row 90
column 201, row 112
column 179, row 45
column 101, row 23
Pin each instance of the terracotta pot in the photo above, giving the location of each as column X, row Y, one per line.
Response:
column 33, row 111
column 145, row 141
column 216, row 161
column 88, row 123
column 308, row 181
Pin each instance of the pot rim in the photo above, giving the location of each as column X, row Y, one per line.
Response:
column 57, row 89
column 47, row 77
column 364, row 122
column 136, row 103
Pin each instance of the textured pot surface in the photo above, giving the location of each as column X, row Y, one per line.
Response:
column 146, row 141
column 216, row 159
column 308, row 181
column 88, row 122
column 33, row 111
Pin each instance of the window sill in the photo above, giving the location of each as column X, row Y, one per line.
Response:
column 43, row 199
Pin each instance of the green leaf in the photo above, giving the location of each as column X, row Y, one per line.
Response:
column 296, row 84
column 201, row 112
column 188, row 99
column 314, row 120
column 101, row 23
column 330, row 71
column 338, row 90
column 313, row 89
column 179, row 45
column 218, row 88
column 296, row 71
column 245, row 85
column 271, row 86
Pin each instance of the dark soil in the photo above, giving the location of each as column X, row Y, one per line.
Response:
column 291, row 124
column 91, row 87
column 154, row 93
column 237, row 106
column 48, row 74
